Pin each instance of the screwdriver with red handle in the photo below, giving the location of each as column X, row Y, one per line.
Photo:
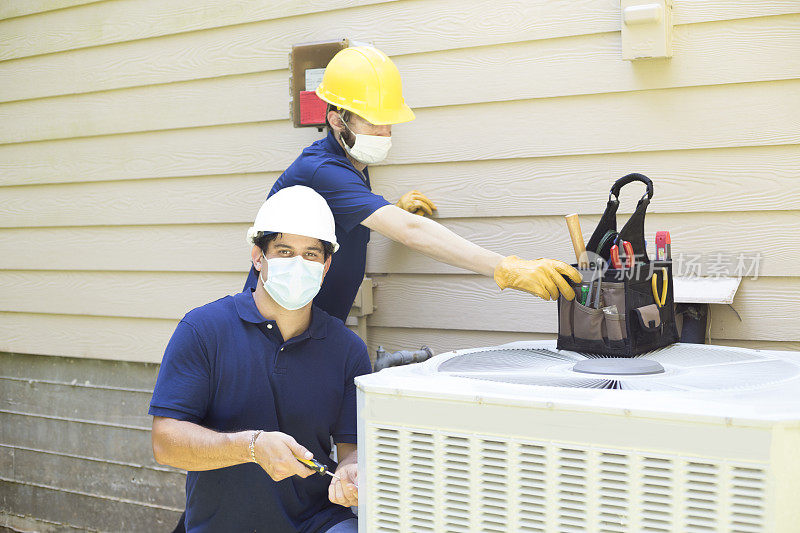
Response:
column 629, row 256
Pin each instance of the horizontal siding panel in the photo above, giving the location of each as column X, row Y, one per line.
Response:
column 85, row 511
column 716, row 53
column 162, row 487
column 120, row 339
column 688, row 11
column 406, row 27
column 726, row 179
column 110, row 374
column 452, row 302
column 198, row 247
column 127, row 20
column 693, row 234
column 670, row 119
column 207, row 199
column 746, row 50
column 106, row 405
column 127, row 294
column 207, row 102
column 113, row 443
column 474, row 302
column 447, row 340
column 222, row 247
column 20, row 8
column 200, row 151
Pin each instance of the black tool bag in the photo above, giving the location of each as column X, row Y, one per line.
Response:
column 628, row 320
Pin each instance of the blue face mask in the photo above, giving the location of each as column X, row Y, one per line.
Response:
column 293, row 281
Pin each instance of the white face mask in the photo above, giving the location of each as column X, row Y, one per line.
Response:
column 368, row 149
column 293, row 281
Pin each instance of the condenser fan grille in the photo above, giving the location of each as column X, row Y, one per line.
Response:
column 491, row 359
column 687, row 368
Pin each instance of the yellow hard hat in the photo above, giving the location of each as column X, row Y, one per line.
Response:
column 364, row 80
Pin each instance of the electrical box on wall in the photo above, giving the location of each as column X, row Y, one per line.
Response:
column 646, row 29
column 307, row 63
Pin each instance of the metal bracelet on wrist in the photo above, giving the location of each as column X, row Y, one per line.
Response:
column 253, row 446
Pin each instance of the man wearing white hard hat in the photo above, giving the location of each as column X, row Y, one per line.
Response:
column 252, row 383
column 363, row 90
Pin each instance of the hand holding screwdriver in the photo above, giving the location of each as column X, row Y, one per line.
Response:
column 277, row 453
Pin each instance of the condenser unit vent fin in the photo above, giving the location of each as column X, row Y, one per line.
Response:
column 435, row 481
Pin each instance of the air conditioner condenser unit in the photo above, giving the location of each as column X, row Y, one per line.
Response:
column 526, row 438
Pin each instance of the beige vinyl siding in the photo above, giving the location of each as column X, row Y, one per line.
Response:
column 138, row 139
column 142, row 137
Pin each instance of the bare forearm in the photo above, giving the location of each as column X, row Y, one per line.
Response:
column 436, row 241
column 192, row 447
column 432, row 239
column 346, row 454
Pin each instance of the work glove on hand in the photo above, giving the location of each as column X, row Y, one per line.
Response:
column 417, row 203
column 540, row 277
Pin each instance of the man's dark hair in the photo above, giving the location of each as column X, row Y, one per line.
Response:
column 344, row 112
column 262, row 240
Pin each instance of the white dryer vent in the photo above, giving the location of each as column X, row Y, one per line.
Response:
column 526, row 438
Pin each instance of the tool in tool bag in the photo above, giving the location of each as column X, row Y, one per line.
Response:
column 663, row 246
column 599, row 264
column 575, row 235
column 629, row 256
column 317, row 467
column 660, row 300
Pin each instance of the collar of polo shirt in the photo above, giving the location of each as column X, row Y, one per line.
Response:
column 247, row 310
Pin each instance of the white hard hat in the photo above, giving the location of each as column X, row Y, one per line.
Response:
column 297, row 210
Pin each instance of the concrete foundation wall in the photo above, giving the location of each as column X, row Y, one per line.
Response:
column 75, row 447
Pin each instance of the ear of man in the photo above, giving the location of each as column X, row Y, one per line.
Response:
column 339, row 127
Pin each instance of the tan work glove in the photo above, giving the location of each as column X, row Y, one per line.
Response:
column 417, row 203
column 540, row 277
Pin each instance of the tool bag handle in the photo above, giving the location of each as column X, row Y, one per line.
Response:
column 633, row 231
column 630, row 178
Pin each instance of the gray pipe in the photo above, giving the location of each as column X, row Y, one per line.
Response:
column 386, row 359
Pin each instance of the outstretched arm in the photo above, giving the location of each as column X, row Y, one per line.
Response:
column 432, row 239
column 541, row 277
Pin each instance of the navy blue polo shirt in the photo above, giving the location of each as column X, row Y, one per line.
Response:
column 227, row 368
column 324, row 167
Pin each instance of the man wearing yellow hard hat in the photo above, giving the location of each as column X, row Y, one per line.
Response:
column 363, row 90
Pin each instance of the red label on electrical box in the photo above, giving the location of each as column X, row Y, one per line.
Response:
column 312, row 108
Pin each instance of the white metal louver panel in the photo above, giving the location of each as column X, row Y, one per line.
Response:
column 572, row 497
column 532, row 491
column 490, row 484
column 702, row 501
column 657, row 494
column 494, row 470
column 421, row 476
column 748, row 487
column 457, row 492
column 614, row 492
column 388, row 457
